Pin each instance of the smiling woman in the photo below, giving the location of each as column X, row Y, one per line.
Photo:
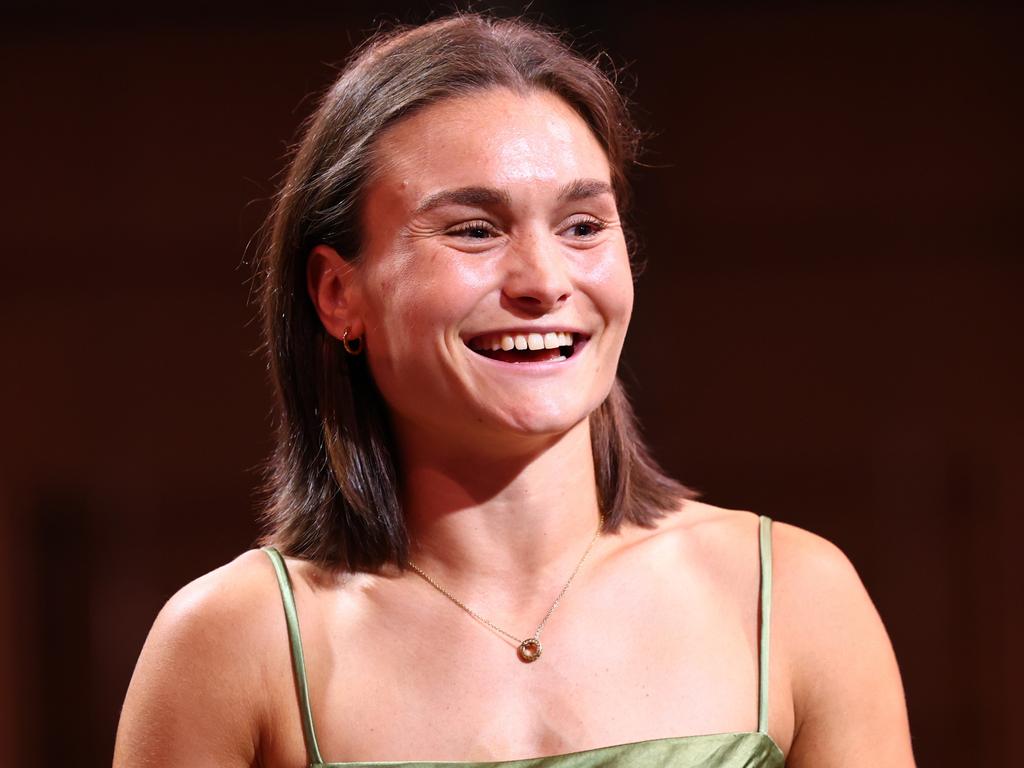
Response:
column 420, row 179
column 507, row 227
column 478, row 561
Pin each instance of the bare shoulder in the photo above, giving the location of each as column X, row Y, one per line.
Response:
column 813, row 578
column 222, row 611
column 832, row 663
column 821, row 607
column 815, row 584
column 197, row 694
column 848, row 701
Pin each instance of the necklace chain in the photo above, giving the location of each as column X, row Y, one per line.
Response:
column 529, row 649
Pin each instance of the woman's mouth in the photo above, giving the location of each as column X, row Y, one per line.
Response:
column 548, row 347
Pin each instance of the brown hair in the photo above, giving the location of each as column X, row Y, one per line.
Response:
column 331, row 483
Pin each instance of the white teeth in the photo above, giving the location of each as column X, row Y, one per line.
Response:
column 523, row 341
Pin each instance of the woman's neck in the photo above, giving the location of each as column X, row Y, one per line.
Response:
column 516, row 522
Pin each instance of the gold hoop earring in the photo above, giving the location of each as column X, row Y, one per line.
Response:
column 354, row 347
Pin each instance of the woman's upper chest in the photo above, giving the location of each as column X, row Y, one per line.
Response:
column 404, row 674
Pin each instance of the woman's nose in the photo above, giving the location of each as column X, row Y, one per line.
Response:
column 537, row 280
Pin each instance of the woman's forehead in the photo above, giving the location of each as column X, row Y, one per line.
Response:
column 492, row 138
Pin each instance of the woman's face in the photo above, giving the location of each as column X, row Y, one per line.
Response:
column 491, row 224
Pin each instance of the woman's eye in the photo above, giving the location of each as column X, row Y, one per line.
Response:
column 585, row 228
column 475, row 230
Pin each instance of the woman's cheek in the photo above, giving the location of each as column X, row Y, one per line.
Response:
column 610, row 275
column 471, row 272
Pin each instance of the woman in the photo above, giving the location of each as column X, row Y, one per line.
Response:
column 482, row 562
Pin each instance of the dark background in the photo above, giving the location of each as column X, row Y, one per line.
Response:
column 828, row 330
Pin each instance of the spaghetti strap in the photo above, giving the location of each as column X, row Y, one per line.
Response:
column 298, row 662
column 766, row 621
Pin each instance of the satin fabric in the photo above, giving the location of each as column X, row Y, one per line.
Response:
column 755, row 749
column 721, row 750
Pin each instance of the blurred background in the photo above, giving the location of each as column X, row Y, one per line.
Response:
column 828, row 330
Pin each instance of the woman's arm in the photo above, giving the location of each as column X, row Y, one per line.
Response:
column 194, row 697
column 848, row 699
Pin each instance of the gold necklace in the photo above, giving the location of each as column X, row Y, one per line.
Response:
column 527, row 650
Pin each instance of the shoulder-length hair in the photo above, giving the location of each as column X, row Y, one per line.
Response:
column 331, row 491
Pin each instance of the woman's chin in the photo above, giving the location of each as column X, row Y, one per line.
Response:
column 540, row 420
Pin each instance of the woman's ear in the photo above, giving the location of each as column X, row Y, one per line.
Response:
column 330, row 281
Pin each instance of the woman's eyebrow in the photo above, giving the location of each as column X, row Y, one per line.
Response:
column 482, row 197
column 475, row 196
column 581, row 189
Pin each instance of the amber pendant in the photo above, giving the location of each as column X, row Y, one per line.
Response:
column 529, row 650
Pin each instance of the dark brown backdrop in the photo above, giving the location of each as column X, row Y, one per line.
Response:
column 828, row 331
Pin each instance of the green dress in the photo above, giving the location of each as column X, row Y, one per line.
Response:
column 755, row 749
